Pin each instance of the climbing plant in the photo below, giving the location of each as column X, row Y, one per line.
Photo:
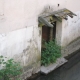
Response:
column 10, row 69
column 51, row 52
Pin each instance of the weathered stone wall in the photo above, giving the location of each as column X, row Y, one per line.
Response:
column 20, row 36
column 24, row 45
column 24, row 13
column 70, row 29
column 72, row 47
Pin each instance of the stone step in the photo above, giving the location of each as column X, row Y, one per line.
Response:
column 51, row 67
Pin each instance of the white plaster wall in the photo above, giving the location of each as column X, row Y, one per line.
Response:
column 73, row 5
column 24, row 46
column 1, row 7
column 59, row 32
column 16, row 20
column 20, row 14
column 24, row 13
column 70, row 29
column 15, row 42
column 20, row 36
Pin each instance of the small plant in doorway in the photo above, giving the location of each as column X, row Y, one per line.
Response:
column 10, row 69
column 51, row 52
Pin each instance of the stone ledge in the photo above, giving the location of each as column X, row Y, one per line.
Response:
column 70, row 48
column 51, row 67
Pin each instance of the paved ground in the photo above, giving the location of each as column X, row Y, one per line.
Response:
column 69, row 71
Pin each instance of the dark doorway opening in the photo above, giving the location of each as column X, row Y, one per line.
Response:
column 48, row 33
